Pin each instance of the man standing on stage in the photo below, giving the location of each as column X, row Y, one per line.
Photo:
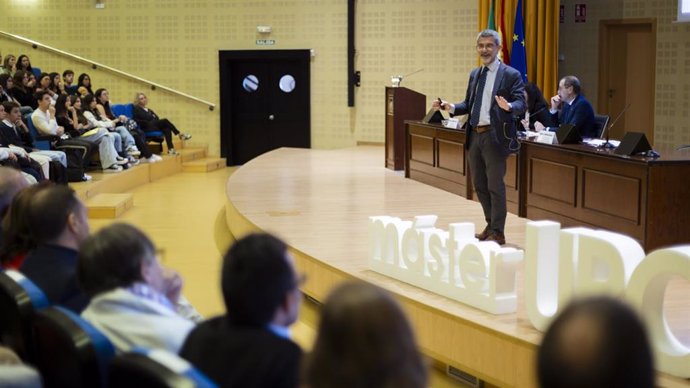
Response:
column 493, row 100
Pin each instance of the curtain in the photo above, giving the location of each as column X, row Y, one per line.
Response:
column 541, row 36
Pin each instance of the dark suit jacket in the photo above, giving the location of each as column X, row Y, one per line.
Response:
column 241, row 356
column 18, row 138
column 54, row 270
column 146, row 120
column 580, row 114
column 508, row 84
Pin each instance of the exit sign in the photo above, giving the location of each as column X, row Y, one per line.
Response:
column 265, row 42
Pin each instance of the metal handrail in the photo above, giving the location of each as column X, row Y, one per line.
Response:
column 96, row 65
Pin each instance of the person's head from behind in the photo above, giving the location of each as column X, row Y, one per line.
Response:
column 11, row 183
column 118, row 256
column 259, row 282
column 57, row 216
column 596, row 343
column 17, row 236
column 364, row 340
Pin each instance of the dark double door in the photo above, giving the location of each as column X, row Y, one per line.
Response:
column 265, row 102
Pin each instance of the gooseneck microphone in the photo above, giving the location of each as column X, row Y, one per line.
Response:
column 608, row 144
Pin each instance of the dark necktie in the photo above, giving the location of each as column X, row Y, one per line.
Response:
column 477, row 104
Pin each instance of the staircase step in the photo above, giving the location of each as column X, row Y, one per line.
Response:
column 204, row 165
column 190, row 154
column 109, row 205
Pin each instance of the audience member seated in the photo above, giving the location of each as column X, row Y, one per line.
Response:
column 16, row 234
column 250, row 345
column 15, row 134
column 68, row 115
column 9, row 65
column 84, row 81
column 56, row 84
column 134, row 299
column 596, row 343
column 141, row 148
column 58, row 223
column 14, row 374
column 68, row 80
column 569, row 106
column 45, row 123
column 44, row 85
column 24, row 64
column 364, row 340
column 17, row 158
column 122, row 136
column 6, row 83
column 149, row 122
column 22, row 91
column 537, row 109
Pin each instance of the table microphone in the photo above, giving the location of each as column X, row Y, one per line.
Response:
column 607, row 144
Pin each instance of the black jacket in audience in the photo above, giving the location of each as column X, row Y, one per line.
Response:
column 53, row 268
column 241, row 356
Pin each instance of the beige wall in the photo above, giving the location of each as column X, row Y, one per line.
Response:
column 579, row 44
column 176, row 43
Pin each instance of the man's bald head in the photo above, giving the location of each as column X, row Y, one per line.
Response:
column 596, row 342
column 11, row 182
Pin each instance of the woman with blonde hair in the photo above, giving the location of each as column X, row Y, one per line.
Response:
column 150, row 122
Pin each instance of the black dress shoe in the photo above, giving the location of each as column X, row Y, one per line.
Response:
column 483, row 235
column 499, row 237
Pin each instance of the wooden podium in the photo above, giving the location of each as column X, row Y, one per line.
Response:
column 401, row 104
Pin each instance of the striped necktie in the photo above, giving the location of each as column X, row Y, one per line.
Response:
column 477, row 104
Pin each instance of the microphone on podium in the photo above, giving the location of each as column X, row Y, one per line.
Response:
column 397, row 79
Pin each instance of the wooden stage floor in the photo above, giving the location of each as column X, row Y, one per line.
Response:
column 319, row 202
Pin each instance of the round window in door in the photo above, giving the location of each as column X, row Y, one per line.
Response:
column 250, row 83
column 287, row 83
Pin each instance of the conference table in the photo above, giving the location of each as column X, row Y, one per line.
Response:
column 645, row 198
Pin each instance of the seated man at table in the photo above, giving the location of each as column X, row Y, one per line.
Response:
column 569, row 106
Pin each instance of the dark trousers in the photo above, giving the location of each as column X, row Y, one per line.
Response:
column 488, row 167
column 167, row 128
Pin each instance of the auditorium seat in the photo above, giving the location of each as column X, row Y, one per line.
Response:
column 37, row 72
column 601, row 121
column 19, row 299
column 155, row 369
column 69, row 351
column 42, row 142
column 128, row 110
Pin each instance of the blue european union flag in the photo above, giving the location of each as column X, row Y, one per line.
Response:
column 518, row 57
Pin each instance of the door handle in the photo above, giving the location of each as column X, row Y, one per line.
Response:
column 611, row 91
column 271, row 117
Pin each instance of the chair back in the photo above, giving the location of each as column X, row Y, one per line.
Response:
column 155, row 369
column 69, row 351
column 600, row 123
column 123, row 109
column 41, row 144
column 19, row 299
